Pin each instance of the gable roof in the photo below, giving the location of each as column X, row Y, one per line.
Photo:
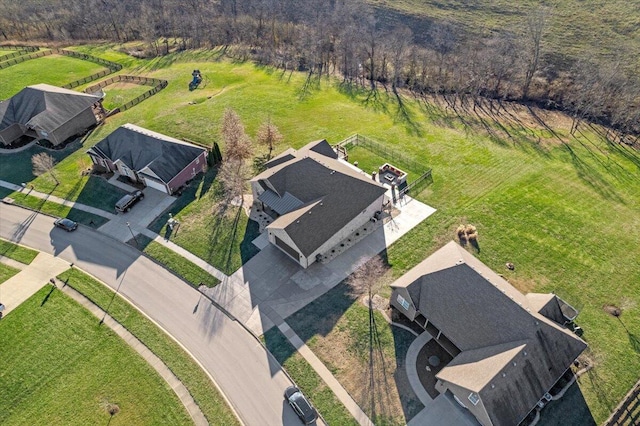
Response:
column 512, row 351
column 147, row 152
column 330, row 193
column 44, row 107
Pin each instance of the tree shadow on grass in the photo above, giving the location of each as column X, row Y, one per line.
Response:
column 196, row 190
column 406, row 116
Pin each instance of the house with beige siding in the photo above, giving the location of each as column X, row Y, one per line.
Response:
column 315, row 200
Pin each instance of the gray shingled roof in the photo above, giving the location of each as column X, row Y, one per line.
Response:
column 495, row 326
column 333, row 194
column 143, row 150
column 44, row 107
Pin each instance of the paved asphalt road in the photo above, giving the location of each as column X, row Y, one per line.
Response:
column 247, row 374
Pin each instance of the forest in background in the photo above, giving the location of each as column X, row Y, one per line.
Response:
column 464, row 51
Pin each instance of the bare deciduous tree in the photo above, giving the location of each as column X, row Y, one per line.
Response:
column 233, row 175
column 43, row 163
column 269, row 135
column 536, row 26
column 366, row 279
column 236, row 142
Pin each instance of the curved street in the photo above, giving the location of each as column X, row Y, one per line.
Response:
column 247, row 374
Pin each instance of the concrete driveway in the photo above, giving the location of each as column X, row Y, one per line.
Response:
column 438, row 411
column 140, row 215
column 271, row 286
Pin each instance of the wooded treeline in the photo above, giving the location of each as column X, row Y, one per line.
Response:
column 356, row 42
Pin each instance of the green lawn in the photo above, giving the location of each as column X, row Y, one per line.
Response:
column 7, row 272
column 181, row 364
column 72, row 160
column 119, row 94
column 59, row 367
column 563, row 209
column 221, row 239
column 57, row 70
column 307, row 379
column 54, row 209
column 176, row 263
column 16, row 252
column 369, row 361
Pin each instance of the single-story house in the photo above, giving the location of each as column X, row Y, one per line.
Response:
column 49, row 113
column 153, row 159
column 315, row 199
column 508, row 349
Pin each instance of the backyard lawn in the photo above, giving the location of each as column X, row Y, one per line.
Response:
column 118, row 94
column 202, row 389
column 52, row 351
column 563, row 208
column 57, row 70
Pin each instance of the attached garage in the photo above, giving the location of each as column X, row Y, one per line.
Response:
column 154, row 183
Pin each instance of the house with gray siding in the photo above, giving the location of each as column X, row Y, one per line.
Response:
column 46, row 112
column 315, row 199
column 508, row 349
column 153, row 159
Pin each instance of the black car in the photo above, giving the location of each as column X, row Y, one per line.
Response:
column 125, row 203
column 66, row 224
column 301, row 405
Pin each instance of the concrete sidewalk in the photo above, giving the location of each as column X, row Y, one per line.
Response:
column 57, row 200
column 156, row 363
column 32, row 278
column 184, row 253
column 325, row 374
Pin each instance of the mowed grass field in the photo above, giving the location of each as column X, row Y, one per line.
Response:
column 563, row 209
column 59, row 367
column 574, row 27
column 54, row 69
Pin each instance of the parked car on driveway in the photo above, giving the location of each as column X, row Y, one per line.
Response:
column 66, row 224
column 301, row 405
column 125, row 203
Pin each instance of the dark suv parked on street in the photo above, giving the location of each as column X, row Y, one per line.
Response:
column 125, row 203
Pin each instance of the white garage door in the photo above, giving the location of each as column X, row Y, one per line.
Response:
column 155, row 185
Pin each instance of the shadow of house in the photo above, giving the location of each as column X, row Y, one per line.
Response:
column 48, row 113
column 155, row 160
column 315, row 200
column 508, row 349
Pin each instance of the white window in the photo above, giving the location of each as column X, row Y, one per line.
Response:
column 198, row 160
column 474, row 398
column 402, row 301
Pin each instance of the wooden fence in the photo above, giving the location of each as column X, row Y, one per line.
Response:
column 88, row 79
column 113, row 66
column 628, row 412
column 156, row 84
column 23, row 58
column 13, row 55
